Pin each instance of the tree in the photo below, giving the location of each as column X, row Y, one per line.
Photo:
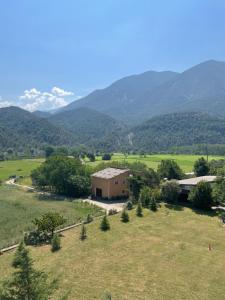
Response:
column 135, row 184
column 56, row 242
column 104, row 226
column 170, row 191
column 145, row 196
column 83, row 233
column 49, row 150
column 129, row 205
column 201, row 195
column 91, row 156
column 124, row 216
column 49, row 222
column 106, row 156
column 139, row 212
column 26, row 282
column 219, row 191
column 169, row 169
column 153, row 205
column 62, row 175
column 201, row 167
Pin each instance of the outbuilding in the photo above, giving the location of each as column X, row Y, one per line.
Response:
column 110, row 183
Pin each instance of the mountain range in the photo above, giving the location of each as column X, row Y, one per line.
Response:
column 153, row 111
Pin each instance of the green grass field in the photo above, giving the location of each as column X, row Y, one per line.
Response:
column 163, row 255
column 21, row 167
column 18, row 208
column 186, row 162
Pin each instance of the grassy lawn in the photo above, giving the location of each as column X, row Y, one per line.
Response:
column 186, row 162
column 163, row 255
column 18, row 208
column 21, row 167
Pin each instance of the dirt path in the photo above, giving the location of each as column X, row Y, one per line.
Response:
column 107, row 205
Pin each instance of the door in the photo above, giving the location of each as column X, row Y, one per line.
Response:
column 98, row 192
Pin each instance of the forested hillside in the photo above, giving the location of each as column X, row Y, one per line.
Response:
column 91, row 128
column 20, row 129
column 178, row 129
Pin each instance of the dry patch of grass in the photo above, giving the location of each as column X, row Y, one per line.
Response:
column 163, row 255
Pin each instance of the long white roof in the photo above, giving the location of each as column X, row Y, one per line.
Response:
column 196, row 180
column 109, row 173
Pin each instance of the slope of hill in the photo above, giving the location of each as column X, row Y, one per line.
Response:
column 178, row 129
column 122, row 94
column 137, row 98
column 20, row 128
column 92, row 128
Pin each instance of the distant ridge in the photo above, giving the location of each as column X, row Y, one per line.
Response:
column 140, row 97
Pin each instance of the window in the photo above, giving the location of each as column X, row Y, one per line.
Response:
column 124, row 181
column 116, row 182
column 123, row 191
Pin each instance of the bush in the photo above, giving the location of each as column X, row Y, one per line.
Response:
column 83, row 233
column 112, row 211
column 37, row 238
column 170, row 191
column 129, row 205
column 201, row 195
column 124, row 216
column 56, row 242
column 106, row 156
column 104, row 226
column 139, row 212
column 145, row 196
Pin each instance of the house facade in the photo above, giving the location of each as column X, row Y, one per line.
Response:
column 110, row 183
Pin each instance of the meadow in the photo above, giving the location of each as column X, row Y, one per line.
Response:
column 18, row 208
column 186, row 162
column 164, row 255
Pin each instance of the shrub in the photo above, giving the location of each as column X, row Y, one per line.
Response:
column 83, row 233
column 112, row 211
column 170, row 191
column 124, row 216
column 201, row 195
column 139, row 212
column 106, row 156
column 145, row 196
column 129, row 205
column 56, row 242
column 35, row 238
column 104, row 226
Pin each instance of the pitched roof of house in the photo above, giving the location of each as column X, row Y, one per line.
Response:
column 109, row 173
column 196, row 180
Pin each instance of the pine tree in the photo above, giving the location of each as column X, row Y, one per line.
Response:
column 26, row 283
column 139, row 212
column 83, row 233
column 104, row 226
column 124, row 216
column 56, row 242
column 153, row 205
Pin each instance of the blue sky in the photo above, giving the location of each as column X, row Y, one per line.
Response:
column 58, row 50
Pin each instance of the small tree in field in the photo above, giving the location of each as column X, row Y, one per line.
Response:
column 104, row 226
column 56, row 243
column 49, row 222
column 124, row 216
column 153, row 205
column 139, row 212
column 83, row 233
column 26, row 282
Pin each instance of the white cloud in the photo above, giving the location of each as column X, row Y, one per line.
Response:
column 4, row 103
column 60, row 92
column 36, row 100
